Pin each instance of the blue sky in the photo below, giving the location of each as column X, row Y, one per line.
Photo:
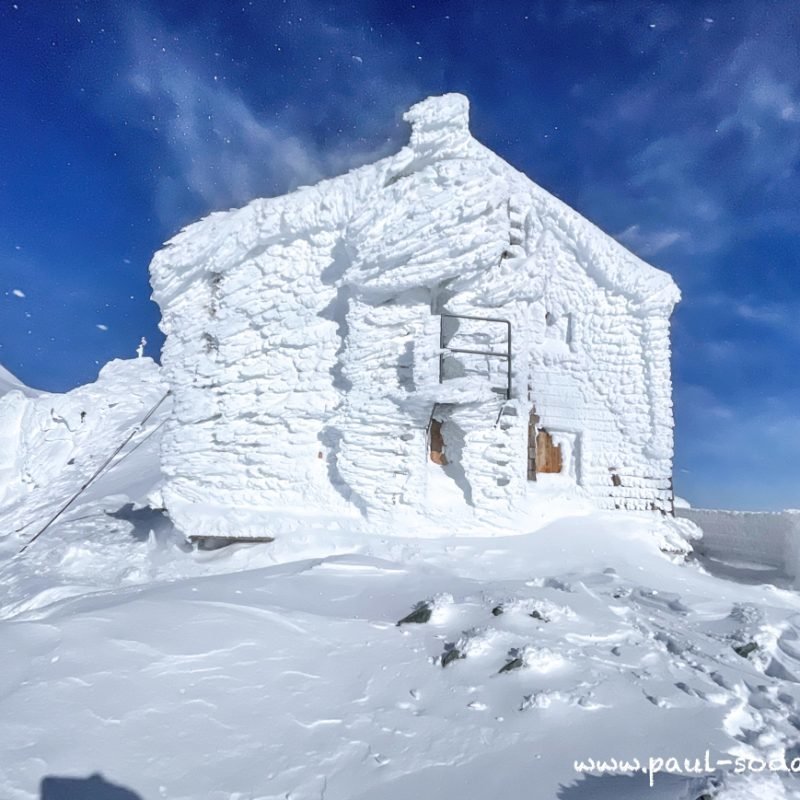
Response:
column 674, row 126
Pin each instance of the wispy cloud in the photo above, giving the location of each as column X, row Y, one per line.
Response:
column 650, row 242
column 223, row 148
column 722, row 446
column 219, row 145
column 718, row 142
column 780, row 316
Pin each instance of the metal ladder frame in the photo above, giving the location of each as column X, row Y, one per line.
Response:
column 443, row 347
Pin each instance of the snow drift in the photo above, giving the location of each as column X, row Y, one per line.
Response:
column 50, row 444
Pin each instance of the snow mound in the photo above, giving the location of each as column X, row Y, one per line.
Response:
column 51, row 444
column 10, row 383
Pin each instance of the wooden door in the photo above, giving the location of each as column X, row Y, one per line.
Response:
column 543, row 454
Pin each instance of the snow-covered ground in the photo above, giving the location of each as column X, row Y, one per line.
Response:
column 269, row 671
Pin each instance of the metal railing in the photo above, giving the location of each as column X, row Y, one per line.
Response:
column 444, row 348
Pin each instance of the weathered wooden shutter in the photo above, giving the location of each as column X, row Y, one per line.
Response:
column 548, row 455
column 437, row 443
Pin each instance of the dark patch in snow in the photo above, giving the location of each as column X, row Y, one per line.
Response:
column 144, row 520
column 420, row 615
column 95, row 787
column 451, row 653
column 744, row 650
column 515, row 663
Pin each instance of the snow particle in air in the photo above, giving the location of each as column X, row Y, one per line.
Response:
column 101, row 327
column 18, row 293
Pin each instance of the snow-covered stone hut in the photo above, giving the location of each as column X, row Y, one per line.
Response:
column 430, row 342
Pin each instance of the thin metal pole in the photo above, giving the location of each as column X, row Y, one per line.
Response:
column 508, row 364
column 507, row 356
column 441, row 346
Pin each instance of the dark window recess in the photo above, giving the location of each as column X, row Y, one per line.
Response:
column 559, row 328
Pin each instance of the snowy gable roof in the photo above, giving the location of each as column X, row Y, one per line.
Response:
column 446, row 213
column 438, row 209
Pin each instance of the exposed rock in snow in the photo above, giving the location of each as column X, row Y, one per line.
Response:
column 312, row 358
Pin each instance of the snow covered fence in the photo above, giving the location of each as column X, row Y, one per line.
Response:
column 770, row 538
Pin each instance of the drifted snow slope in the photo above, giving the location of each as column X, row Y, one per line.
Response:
column 277, row 670
column 51, row 444
column 9, row 382
column 293, row 680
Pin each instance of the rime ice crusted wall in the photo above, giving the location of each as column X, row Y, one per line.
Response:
column 303, row 347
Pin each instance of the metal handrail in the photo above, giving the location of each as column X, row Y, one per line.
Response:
column 506, row 356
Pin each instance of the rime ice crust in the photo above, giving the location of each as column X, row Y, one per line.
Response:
column 303, row 351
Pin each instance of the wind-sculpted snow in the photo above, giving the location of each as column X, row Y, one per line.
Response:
column 303, row 348
column 50, row 444
column 279, row 670
column 10, row 383
column 223, row 675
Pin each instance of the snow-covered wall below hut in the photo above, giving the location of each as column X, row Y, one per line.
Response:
column 766, row 538
column 304, row 350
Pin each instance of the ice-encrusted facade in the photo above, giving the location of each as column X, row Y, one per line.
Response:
column 314, row 349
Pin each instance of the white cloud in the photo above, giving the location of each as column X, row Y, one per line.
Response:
column 225, row 150
column 732, row 135
column 218, row 143
column 772, row 314
column 648, row 243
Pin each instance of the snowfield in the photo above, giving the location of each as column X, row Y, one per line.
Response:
column 267, row 671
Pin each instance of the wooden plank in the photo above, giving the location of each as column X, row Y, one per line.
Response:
column 217, row 542
column 532, row 422
column 437, row 443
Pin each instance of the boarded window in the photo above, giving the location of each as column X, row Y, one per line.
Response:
column 437, row 443
column 548, row 455
column 559, row 328
column 543, row 455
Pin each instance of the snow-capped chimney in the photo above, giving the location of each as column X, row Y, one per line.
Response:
column 439, row 123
